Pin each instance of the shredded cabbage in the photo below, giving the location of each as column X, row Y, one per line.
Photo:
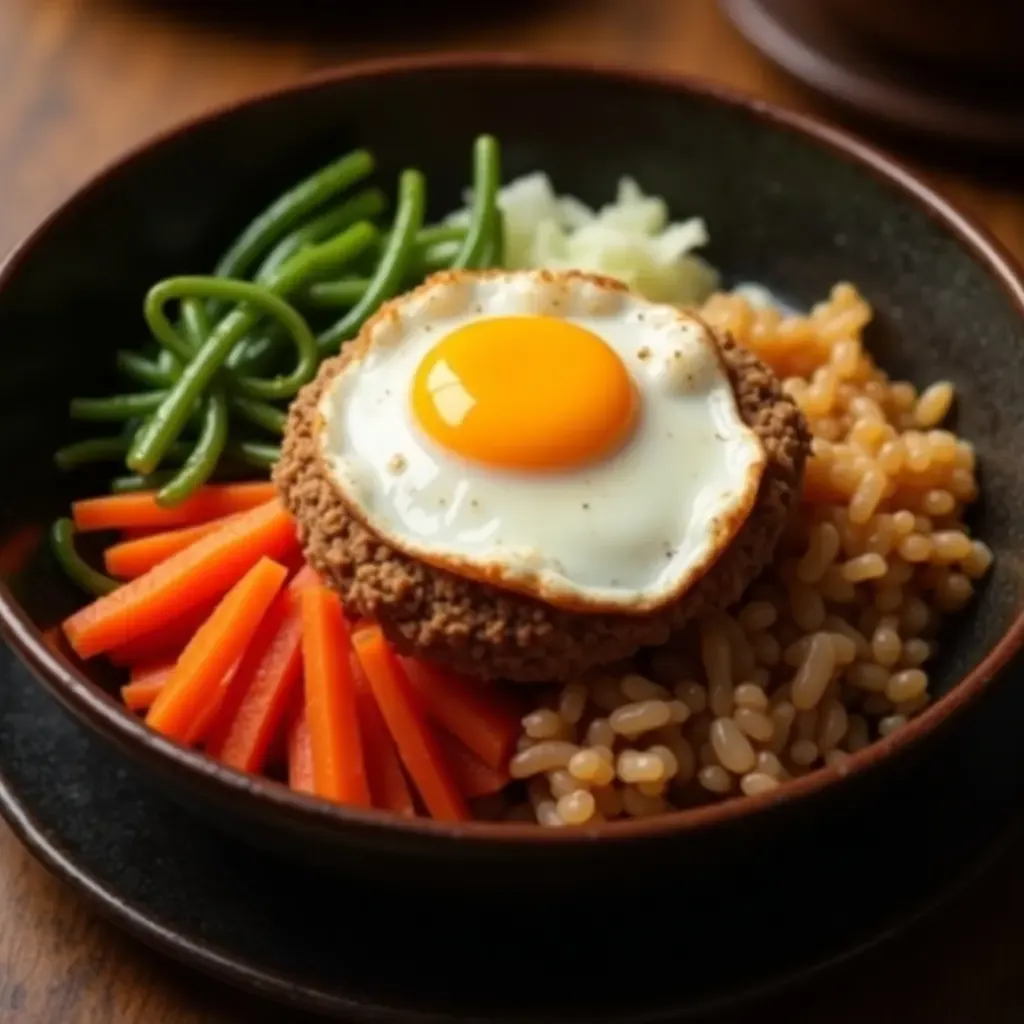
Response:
column 631, row 239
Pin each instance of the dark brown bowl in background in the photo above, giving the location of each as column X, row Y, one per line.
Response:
column 788, row 201
column 983, row 35
column 946, row 73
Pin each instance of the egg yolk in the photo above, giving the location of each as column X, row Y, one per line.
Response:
column 525, row 392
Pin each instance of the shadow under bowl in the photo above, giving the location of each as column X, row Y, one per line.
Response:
column 789, row 203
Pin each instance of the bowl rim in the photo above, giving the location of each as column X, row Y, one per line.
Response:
column 258, row 796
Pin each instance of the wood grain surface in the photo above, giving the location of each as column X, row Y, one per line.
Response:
column 81, row 80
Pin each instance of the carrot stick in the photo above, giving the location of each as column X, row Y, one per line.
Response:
column 413, row 735
column 187, row 580
column 305, row 577
column 484, row 718
column 260, row 692
column 388, row 787
column 166, row 643
column 130, row 558
column 338, row 764
column 142, row 670
column 201, row 673
column 140, row 509
column 474, row 777
column 140, row 694
column 300, row 754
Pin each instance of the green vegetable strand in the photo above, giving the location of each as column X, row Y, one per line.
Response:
column 486, row 181
column 391, row 269
column 62, row 543
column 290, row 209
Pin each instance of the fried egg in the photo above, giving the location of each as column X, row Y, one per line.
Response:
column 548, row 433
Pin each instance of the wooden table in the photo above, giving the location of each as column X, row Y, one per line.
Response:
column 80, row 80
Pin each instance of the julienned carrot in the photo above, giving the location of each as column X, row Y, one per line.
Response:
column 486, row 720
column 413, row 735
column 140, row 694
column 203, row 668
column 388, row 787
column 186, row 581
column 140, row 509
column 166, row 643
column 261, row 690
column 339, row 767
column 474, row 778
column 130, row 558
column 160, row 666
column 300, row 754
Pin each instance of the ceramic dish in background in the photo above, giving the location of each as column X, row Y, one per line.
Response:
column 944, row 72
column 789, row 202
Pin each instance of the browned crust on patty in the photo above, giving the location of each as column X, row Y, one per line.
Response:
column 495, row 634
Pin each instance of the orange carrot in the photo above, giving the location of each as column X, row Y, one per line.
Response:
column 305, row 577
column 142, row 670
column 413, row 735
column 140, row 509
column 338, row 764
column 482, row 717
column 300, row 754
column 184, row 582
column 131, row 558
column 202, row 672
column 53, row 638
column 140, row 694
column 260, row 693
column 164, row 644
column 474, row 777
column 388, row 787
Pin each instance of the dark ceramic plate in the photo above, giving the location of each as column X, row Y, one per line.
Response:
column 963, row 98
column 243, row 917
column 789, row 202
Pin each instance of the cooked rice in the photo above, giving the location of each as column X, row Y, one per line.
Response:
column 826, row 653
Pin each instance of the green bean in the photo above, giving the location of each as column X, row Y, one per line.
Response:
column 167, row 361
column 202, row 461
column 435, row 234
column 341, row 294
column 162, row 428
column 486, row 181
column 115, row 408
column 364, row 206
column 145, row 371
column 135, row 482
column 289, row 209
column 494, row 253
column 62, row 543
column 436, row 253
column 97, row 449
column 142, row 370
column 437, row 257
column 104, row 449
column 260, row 414
column 195, row 324
column 290, row 277
column 391, row 269
column 251, row 453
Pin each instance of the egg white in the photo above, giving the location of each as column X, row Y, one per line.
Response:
column 628, row 534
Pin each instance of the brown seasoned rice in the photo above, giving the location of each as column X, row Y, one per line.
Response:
column 826, row 653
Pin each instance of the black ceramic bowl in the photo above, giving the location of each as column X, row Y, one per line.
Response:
column 789, row 202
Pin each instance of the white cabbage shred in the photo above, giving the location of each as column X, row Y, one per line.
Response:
column 631, row 238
